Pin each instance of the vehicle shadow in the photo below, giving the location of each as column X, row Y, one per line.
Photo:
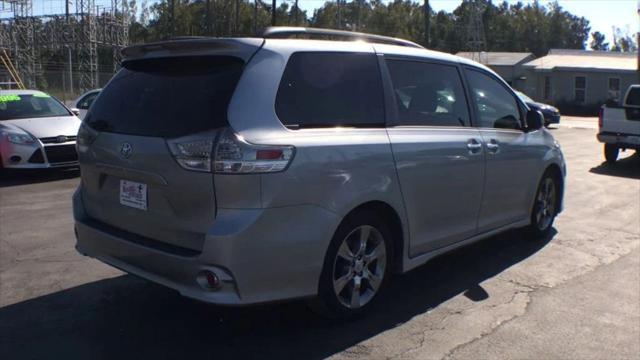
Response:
column 25, row 177
column 628, row 167
column 125, row 317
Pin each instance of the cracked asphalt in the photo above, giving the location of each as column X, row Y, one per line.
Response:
column 573, row 296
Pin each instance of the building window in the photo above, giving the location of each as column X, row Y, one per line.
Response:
column 580, row 89
column 613, row 92
column 547, row 88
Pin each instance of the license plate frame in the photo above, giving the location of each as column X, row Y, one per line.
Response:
column 134, row 194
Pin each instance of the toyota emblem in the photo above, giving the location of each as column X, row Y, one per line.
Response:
column 126, row 150
column 61, row 139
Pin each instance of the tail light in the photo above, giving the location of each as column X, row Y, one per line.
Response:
column 600, row 114
column 230, row 155
column 193, row 154
column 233, row 155
column 86, row 136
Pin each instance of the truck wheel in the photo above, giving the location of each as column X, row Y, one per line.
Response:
column 611, row 153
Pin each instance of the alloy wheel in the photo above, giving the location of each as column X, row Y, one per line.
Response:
column 546, row 203
column 359, row 266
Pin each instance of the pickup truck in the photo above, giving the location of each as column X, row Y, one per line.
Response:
column 619, row 125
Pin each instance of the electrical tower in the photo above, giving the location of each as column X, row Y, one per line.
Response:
column 476, row 40
column 79, row 27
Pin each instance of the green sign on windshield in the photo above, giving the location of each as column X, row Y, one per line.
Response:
column 9, row 98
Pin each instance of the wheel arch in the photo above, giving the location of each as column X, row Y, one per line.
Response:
column 393, row 220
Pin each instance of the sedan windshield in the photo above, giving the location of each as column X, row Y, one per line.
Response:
column 23, row 106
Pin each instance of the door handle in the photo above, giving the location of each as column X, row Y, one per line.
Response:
column 474, row 146
column 493, row 146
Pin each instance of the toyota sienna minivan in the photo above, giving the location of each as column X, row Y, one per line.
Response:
column 246, row 170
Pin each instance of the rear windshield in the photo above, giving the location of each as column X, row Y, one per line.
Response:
column 168, row 97
column 633, row 98
column 331, row 89
column 23, row 106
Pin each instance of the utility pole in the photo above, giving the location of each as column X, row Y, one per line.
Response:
column 208, row 17
column 427, row 24
column 339, row 15
column 237, row 19
column 255, row 17
column 273, row 12
column 171, row 16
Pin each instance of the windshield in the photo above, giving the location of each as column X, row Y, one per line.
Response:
column 524, row 97
column 23, row 106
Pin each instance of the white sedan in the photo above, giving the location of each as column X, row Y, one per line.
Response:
column 36, row 131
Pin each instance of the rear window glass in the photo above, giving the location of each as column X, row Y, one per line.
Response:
column 331, row 89
column 24, row 106
column 633, row 98
column 168, row 97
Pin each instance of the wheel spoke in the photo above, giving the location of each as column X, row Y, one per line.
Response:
column 374, row 280
column 377, row 251
column 365, row 231
column 341, row 282
column 344, row 252
column 355, row 295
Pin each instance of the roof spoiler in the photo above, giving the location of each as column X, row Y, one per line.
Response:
column 283, row 32
column 182, row 46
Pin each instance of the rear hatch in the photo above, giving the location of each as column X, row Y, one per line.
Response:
column 168, row 101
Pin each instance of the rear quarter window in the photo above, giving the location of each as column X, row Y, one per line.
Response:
column 330, row 89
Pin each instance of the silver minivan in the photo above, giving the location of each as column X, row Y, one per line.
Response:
column 246, row 170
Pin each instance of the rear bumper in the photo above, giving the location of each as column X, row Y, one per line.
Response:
column 261, row 255
column 622, row 140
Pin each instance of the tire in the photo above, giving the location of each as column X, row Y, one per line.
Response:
column 545, row 207
column 370, row 267
column 611, row 153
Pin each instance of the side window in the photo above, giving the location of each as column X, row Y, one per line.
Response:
column 331, row 89
column 496, row 106
column 633, row 98
column 86, row 102
column 428, row 94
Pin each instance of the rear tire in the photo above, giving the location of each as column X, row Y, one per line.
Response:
column 611, row 153
column 357, row 267
column 545, row 207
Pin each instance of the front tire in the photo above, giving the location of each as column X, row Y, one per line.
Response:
column 357, row 267
column 545, row 207
column 611, row 153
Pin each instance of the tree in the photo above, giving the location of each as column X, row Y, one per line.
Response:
column 598, row 42
column 623, row 41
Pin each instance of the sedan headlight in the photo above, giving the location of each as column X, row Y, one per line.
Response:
column 21, row 139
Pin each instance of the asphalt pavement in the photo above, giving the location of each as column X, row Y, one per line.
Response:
column 573, row 296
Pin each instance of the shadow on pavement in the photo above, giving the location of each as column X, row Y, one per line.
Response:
column 628, row 167
column 25, row 177
column 125, row 317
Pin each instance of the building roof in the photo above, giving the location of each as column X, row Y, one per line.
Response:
column 583, row 60
column 497, row 58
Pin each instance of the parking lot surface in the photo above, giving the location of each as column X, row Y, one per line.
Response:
column 576, row 295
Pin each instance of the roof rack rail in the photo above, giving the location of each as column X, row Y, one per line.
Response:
column 283, row 32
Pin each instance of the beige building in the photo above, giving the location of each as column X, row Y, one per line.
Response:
column 580, row 77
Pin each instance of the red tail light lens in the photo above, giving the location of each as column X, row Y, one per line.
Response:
column 600, row 113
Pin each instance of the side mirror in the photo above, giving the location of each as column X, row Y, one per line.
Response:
column 535, row 120
column 75, row 111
